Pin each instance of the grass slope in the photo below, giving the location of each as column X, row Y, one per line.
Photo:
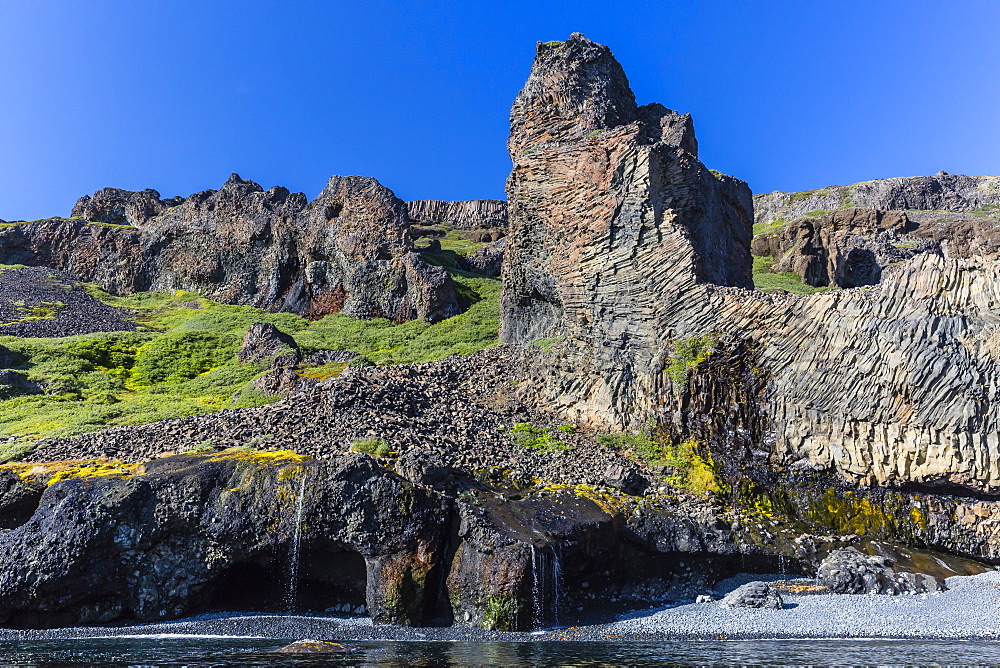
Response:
column 182, row 361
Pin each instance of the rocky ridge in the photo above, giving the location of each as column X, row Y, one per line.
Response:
column 349, row 250
column 941, row 192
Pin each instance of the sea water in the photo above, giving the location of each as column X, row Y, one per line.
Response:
column 228, row 651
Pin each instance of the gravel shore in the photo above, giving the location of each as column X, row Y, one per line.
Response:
column 967, row 611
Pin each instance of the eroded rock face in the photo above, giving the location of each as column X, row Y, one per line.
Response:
column 611, row 213
column 201, row 532
column 848, row 571
column 892, row 385
column 941, row 192
column 466, row 215
column 848, row 248
column 348, row 250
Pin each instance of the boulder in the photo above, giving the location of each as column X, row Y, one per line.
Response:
column 754, row 595
column 488, row 260
column 849, row 571
column 628, row 480
column 265, row 342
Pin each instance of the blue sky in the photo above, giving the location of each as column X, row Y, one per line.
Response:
column 176, row 95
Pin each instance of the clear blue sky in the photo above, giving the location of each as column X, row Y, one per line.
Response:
column 176, row 94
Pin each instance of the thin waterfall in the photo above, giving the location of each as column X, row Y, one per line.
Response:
column 546, row 589
column 292, row 592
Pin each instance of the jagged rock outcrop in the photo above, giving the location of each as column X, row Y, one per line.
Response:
column 348, row 250
column 754, row 595
column 265, row 342
column 848, row 571
column 488, row 260
column 889, row 386
column 608, row 205
column 848, row 248
column 941, row 192
column 464, row 215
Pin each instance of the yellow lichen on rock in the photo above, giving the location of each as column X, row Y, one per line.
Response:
column 52, row 472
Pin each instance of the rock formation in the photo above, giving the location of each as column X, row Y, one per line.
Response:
column 941, row 192
column 609, row 206
column 467, row 215
column 348, row 250
column 847, row 248
column 622, row 248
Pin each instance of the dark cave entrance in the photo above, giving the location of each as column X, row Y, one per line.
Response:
column 331, row 580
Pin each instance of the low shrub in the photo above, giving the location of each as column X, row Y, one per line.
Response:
column 376, row 447
column 525, row 435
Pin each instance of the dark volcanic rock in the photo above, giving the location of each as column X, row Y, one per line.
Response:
column 847, row 248
column 40, row 302
column 488, row 260
column 941, row 192
column 576, row 121
column 198, row 532
column 347, row 250
column 265, row 342
column 849, row 571
column 754, row 595
column 468, row 215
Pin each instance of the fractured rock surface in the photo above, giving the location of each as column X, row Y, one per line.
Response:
column 349, row 250
column 610, row 223
column 466, row 215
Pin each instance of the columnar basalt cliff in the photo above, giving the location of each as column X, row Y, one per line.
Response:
column 610, row 212
column 892, row 386
column 349, row 250
column 467, row 214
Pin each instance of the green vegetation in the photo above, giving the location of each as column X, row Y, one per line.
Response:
column 816, row 213
column 567, row 428
column 525, row 435
column 376, row 447
column 688, row 463
column 987, row 211
column 765, row 281
column 554, row 43
column 767, row 228
column 546, row 344
column 501, row 613
column 43, row 311
column 182, row 360
column 688, row 354
column 5, row 267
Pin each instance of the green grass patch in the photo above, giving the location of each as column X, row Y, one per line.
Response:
column 182, row 361
column 765, row 281
column 688, row 354
column 376, row 447
column 525, row 435
column 688, row 463
column 768, row 228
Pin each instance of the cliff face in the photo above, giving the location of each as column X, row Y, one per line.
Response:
column 610, row 209
column 941, row 192
column 847, row 248
column 464, row 215
column 890, row 386
column 348, row 250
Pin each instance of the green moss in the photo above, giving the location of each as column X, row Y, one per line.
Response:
column 501, row 613
column 526, row 435
column 765, row 281
column 767, row 228
column 688, row 354
column 376, row 447
column 689, row 462
column 553, row 43
column 816, row 213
